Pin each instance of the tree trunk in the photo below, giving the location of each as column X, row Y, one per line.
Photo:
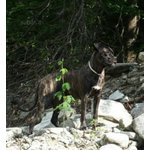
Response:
column 131, row 30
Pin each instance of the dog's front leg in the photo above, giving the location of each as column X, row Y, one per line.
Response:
column 95, row 110
column 97, row 94
column 83, row 112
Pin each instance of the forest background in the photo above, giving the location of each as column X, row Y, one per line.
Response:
column 40, row 33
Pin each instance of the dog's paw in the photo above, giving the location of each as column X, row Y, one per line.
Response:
column 83, row 127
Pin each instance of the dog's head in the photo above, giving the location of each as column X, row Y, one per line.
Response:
column 104, row 55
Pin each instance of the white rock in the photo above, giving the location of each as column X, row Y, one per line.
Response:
column 117, row 95
column 115, row 111
column 76, row 121
column 131, row 135
column 133, row 143
column 76, row 133
column 117, row 138
column 9, row 135
column 38, row 144
column 107, row 123
column 116, row 130
column 13, row 132
column 57, row 130
column 15, row 147
column 141, row 56
column 45, row 123
column 104, row 129
column 138, row 125
column 67, row 123
column 110, row 147
column 131, row 148
column 16, row 130
column 64, row 135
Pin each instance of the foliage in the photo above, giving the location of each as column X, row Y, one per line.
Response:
column 61, row 95
column 40, row 33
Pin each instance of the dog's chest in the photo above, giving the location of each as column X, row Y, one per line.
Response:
column 101, row 80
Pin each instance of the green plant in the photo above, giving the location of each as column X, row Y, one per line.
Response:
column 62, row 94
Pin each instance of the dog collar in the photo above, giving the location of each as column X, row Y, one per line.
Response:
column 89, row 64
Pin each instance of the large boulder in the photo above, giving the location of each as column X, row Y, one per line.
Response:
column 118, row 138
column 115, row 111
column 138, row 125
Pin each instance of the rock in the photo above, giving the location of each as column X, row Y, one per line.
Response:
column 70, row 119
column 45, row 123
column 76, row 133
column 74, row 121
column 131, row 148
column 25, row 129
column 137, row 110
column 116, row 130
column 15, row 147
column 117, row 95
column 107, row 123
column 67, row 123
column 115, row 111
column 110, row 147
column 141, row 57
column 130, row 134
column 125, row 99
column 133, row 143
column 140, row 94
column 124, row 76
column 117, row 138
column 128, row 84
column 138, row 125
column 65, row 115
column 104, row 129
column 13, row 132
column 65, row 135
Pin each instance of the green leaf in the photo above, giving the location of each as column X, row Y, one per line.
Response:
column 66, row 86
column 66, row 106
column 59, row 95
column 60, row 63
column 70, row 99
column 58, row 78
column 63, row 71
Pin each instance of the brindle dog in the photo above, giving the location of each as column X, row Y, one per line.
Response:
column 86, row 82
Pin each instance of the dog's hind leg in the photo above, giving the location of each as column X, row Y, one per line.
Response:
column 83, row 113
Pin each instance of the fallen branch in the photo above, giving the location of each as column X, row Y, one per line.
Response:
column 120, row 68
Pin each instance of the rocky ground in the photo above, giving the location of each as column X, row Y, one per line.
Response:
column 121, row 121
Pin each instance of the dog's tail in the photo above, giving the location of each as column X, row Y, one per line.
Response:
column 14, row 102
